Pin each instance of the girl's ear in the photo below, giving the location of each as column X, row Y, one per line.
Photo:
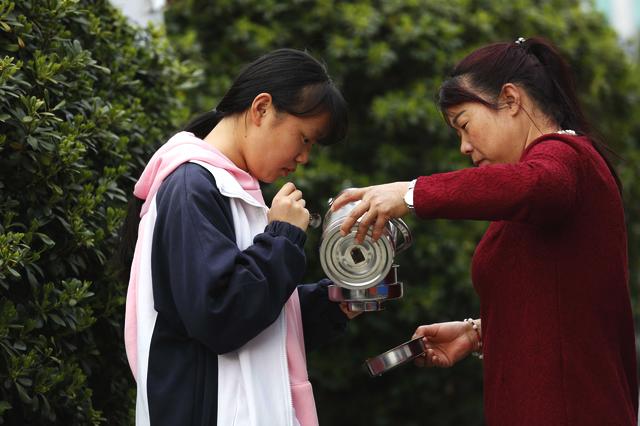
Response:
column 260, row 107
column 511, row 97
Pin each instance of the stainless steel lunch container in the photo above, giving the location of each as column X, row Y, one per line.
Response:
column 357, row 266
column 369, row 299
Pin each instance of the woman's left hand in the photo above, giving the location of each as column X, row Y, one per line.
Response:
column 446, row 343
column 378, row 205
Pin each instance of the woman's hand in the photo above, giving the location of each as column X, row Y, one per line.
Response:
column 378, row 205
column 288, row 206
column 446, row 342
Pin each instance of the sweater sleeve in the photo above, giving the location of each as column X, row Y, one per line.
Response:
column 322, row 319
column 539, row 189
column 223, row 296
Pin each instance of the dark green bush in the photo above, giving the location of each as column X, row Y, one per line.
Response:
column 84, row 98
column 389, row 57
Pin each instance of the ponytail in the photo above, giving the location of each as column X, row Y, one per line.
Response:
column 560, row 93
column 128, row 237
column 567, row 111
column 203, row 124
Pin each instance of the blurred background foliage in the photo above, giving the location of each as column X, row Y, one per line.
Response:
column 389, row 58
column 86, row 98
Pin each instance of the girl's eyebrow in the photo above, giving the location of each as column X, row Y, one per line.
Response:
column 319, row 134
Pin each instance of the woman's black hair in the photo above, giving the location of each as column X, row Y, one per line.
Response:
column 534, row 64
column 298, row 84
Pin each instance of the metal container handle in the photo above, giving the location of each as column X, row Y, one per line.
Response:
column 407, row 239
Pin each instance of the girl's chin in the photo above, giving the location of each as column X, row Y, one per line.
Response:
column 284, row 172
column 272, row 177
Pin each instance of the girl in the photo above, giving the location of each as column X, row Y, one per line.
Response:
column 555, row 326
column 216, row 324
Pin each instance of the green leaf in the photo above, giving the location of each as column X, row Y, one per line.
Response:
column 25, row 381
column 22, row 393
column 4, row 406
column 56, row 318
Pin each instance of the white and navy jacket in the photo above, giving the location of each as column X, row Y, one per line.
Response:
column 211, row 341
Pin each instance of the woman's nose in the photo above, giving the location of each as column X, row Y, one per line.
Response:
column 465, row 147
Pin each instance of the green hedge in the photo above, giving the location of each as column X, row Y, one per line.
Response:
column 84, row 98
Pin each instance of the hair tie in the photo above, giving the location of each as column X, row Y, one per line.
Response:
column 520, row 40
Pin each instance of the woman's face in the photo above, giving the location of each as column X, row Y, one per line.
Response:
column 487, row 135
column 282, row 143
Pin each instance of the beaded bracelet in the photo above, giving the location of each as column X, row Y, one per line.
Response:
column 478, row 352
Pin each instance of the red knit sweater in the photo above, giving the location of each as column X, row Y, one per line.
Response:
column 551, row 273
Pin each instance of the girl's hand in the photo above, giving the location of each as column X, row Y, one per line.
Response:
column 347, row 312
column 288, row 206
column 446, row 342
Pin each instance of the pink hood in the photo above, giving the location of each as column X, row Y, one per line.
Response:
column 181, row 148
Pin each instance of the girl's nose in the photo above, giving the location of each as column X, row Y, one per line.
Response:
column 303, row 157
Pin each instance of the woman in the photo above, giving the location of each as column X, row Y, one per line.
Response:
column 555, row 327
column 216, row 324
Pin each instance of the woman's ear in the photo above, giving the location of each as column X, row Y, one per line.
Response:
column 260, row 107
column 511, row 98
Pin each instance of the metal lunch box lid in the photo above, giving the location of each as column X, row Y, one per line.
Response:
column 353, row 265
column 392, row 358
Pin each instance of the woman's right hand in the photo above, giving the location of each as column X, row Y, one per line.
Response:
column 289, row 206
column 446, row 343
column 378, row 205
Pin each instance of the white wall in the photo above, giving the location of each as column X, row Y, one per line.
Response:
column 141, row 11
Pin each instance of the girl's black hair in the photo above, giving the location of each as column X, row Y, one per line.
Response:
column 298, row 84
column 534, row 64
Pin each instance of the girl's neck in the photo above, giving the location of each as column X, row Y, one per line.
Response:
column 226, row 138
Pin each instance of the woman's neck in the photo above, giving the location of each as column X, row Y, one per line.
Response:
column 534, row 132
column 538, row 124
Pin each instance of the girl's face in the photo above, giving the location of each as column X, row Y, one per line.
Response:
column 487, row 135
column 281, row 143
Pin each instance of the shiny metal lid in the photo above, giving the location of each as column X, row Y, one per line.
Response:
column 399, row 355
column 354, row 265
